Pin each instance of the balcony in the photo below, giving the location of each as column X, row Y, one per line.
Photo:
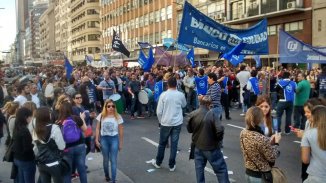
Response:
column 267, row 10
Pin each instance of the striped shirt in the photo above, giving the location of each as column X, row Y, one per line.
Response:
column 214, row 92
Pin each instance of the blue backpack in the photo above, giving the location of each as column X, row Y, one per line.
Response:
column 70, row 131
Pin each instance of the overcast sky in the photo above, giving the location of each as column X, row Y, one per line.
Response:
column 7, row 24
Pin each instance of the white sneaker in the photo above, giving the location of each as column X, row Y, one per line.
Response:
column 242, row 114
column 172, row 169
column 155, row 165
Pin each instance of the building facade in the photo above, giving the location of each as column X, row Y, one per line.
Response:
column 85, row 29
column 62, row 25
column 47, row 34
column 21, row 16
column 319, row 23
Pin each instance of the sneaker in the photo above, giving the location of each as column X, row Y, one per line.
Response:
column 155, row 165
column 74, row 176
column 107, row 179
column 287, row 133
column 228, row 118
column 242, row 114
column 172, row 169
column 140, row 117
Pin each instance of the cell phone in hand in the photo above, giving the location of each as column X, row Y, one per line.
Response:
column 293, row 129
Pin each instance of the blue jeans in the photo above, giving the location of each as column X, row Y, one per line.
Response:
column 250, row 179
column 165, row 133
column 76, row 156
column 216, row 159
column 191, row 100
column 299, row 117
column 26, row 171
column 274, row 100
column 110, row 148
column 288, row 107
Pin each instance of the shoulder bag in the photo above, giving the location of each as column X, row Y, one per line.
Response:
column 276, row 175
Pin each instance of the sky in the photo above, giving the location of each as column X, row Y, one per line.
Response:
column 7, row 24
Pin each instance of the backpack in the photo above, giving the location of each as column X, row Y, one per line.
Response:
column 70, row 131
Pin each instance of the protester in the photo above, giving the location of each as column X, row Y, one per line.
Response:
column 48, row 139
column 243, row 77
column 264, row 103
column 207, row 132
column 258, row 150
column 313, row 147
column 23, row 91
column 109, row 137
column 302, row 94
column 169, row 114
column 22, row 147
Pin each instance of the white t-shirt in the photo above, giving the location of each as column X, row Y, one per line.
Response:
column 109, row 125
column 21, row 100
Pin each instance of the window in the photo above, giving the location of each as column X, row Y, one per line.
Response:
column 169, row 12
column 294, row 26
column 146, row 19
column 132, row 23
column 164, row 35
column 141, row 21
column 157, row 16
column 169, row 34
column 163, row 14
column 157, row 38
column 271, row 30
column 151, row 17
column 93, row 37
column 319, row 25
column 137, row 22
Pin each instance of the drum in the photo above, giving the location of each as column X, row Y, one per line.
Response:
column 117, row 102
column 145, row 95
column 149, row 93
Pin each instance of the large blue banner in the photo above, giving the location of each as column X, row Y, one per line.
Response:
column 293, row 50
column 201, row 31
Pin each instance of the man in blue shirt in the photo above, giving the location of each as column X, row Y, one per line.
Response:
column 285, row 89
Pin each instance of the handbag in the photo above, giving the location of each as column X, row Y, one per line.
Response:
column 89, row 131
column 276, row 175
column 9, row 154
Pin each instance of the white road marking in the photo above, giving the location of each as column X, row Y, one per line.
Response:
column 150, row 141
column 297, row 142
column 236, row 126
column 156, row 145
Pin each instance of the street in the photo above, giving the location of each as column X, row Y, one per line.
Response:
column 141, row 137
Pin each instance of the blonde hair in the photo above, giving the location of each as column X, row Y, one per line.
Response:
column 319, row 118
column 10, row 108
column 60, row 100
column 104, row 112
column 254, row 116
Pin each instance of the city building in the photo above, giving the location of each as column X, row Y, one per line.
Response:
column 27, row 41
column 62, row 26
column 85, row 30
column 39, row 8
column 21, row 16
column 47, row 34
column 319, row 23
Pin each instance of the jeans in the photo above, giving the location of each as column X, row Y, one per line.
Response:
column 76, row 156
column 46, row 173
column 26, row 171
column 274, row 100
column 250, row 179
column 288, row 107
column 136, row 106
column 191, row 100
column 299, row 117
column 225, row 102
column 151, row 106
column 110, row 148
column 165, row 133
column 216, row 159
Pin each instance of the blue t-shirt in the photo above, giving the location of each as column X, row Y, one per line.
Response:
column 201, row 85
column 288, row 87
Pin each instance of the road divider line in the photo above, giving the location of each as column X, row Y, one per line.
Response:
column 150, row 141
column 297, row 142
column 236, row 126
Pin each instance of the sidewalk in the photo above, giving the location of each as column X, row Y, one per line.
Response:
column 93, row 161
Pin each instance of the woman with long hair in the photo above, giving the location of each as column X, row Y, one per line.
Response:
column 75, row 150
column 22, row 147
column 313, row 146
column 32, row 107
column 55, row 112
column 9, row 111
column 109, row 137
column 264, row 103
column 258, row 150
column 48, row 135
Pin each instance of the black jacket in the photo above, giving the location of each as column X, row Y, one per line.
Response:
column 22, row 146
column 206, row 128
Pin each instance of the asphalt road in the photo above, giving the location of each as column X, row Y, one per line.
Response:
column 142, row 136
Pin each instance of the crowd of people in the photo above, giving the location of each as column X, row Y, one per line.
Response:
column 49, row 119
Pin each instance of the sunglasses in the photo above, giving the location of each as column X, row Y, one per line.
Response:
column 110, row 106
column 77, row 98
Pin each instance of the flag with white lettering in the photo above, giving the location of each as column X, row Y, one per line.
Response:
column 191, row 57
column 233, row 56
column 117, row 45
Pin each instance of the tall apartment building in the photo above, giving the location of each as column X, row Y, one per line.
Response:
column 21, row 16
column 85, row 29
column 62, row 25
column 319, row 23
column 39, row 8
column 27, row 41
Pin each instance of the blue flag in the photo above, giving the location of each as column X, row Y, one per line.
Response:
column 201, row 31
column 191, row 57
column 150, row 61
column 292, row 50
column 167, row 42
column 234, row 56
column 105, row 60
column 142, row 58
column 89, row 59
column 144, row 44
column 69, row 68
column 258, row 61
